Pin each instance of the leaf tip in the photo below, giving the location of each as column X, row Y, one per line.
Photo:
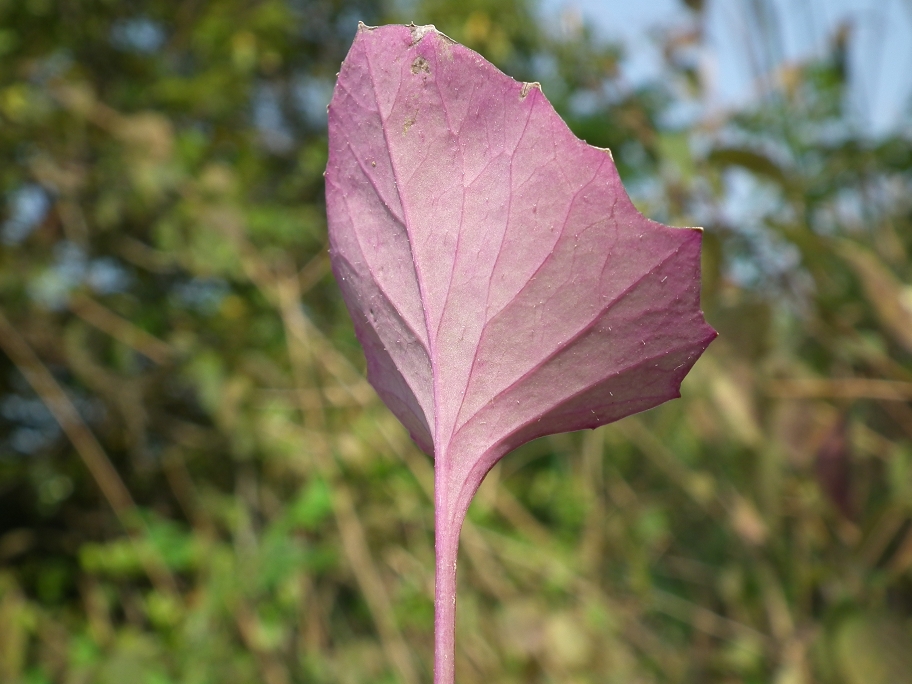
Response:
column 419, row 32
column 606, row 151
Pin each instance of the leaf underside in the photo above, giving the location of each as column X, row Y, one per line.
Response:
column 500, row 280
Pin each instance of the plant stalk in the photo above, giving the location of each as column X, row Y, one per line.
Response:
column 447, row 525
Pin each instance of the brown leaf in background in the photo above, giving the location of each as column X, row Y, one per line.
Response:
column 833, row 467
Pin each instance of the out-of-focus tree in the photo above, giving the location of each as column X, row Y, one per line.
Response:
column 197, row 484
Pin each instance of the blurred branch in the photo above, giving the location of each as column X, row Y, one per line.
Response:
column 902, row 559
column 271, row 667
column 314, row 270
column 83, row 440
column 60, row 406
column 703, row 619
column 142, row 255
column 518, row 553
column 334, row 395
column 843, row 388
column 121, row 329
column 696, row 485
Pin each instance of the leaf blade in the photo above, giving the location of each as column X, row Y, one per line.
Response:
column 501, row 281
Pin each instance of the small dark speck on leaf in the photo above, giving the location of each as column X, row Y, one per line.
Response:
column 421, row 64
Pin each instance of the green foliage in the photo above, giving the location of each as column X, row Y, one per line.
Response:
column 220, row 497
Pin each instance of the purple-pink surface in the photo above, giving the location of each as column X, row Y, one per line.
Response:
column 500, row 280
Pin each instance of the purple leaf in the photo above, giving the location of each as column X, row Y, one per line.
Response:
column 502, row 283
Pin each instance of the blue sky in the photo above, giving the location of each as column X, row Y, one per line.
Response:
column 880, row 45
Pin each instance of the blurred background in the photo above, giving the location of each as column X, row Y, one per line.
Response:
column 197, row 485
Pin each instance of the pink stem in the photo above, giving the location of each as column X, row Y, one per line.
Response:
column 447, row 525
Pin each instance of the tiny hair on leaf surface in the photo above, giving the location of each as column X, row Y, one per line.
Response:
column 500, row 280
